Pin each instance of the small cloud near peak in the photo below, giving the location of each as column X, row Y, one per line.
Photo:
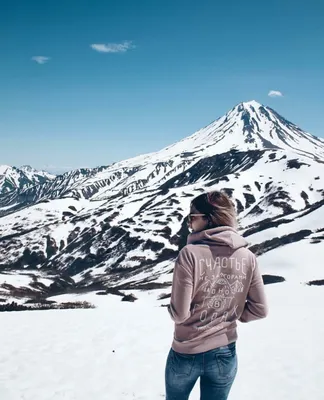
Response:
column 275, row 93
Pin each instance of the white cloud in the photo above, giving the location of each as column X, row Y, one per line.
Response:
column 41, row 59
column 275, row 93
column 113, row 47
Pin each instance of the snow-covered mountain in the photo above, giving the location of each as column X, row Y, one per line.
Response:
column 121, row 226
column 12, row 178
column 248, row 126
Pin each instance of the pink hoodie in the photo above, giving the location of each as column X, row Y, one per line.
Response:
column 216, row 281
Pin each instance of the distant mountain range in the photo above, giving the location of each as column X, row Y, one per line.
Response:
column 12, row 178
column 121, row 226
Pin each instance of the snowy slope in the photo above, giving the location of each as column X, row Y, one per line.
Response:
column 108, row 352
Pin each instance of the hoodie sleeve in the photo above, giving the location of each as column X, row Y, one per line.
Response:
column 256, row 306
column 181, row 293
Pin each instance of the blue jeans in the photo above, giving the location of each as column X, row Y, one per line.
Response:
column 216, row 368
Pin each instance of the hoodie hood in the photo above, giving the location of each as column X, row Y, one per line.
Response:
column 221, row 236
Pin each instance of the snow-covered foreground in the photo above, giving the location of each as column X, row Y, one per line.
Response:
column 118, row 350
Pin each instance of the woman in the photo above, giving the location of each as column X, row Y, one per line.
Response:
column 216, row 281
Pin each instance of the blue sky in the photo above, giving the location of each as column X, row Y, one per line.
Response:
column 158, row 71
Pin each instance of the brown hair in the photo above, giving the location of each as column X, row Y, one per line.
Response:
column 218, row 207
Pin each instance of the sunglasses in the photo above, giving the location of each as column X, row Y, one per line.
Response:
column 190, row 216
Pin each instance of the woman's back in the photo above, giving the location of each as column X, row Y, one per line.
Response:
column 216, row 270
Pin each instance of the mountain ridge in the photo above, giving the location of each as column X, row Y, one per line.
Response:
column 238, row 129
